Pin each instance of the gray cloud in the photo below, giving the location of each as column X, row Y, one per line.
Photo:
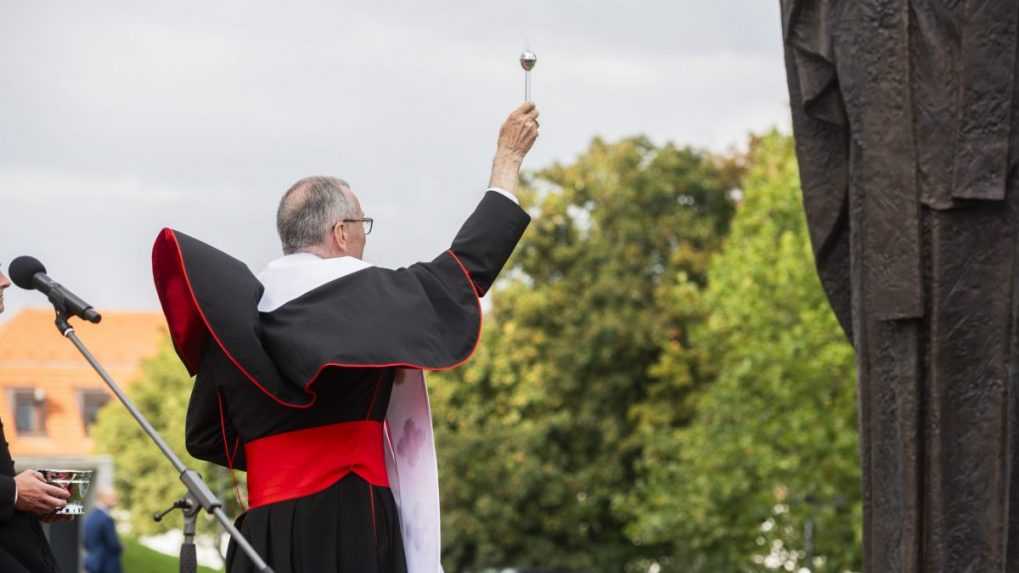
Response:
column 121, row 118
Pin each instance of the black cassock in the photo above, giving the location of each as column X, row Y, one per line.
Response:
column 23, row 546
column 312, row 383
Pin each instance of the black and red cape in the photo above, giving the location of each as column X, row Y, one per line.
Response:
column 310, row 378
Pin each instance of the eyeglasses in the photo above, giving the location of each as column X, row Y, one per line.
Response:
column 366, row 223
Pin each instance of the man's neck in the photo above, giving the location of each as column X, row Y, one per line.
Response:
column 324, row 253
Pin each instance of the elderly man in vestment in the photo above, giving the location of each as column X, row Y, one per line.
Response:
column 309, row 375
column 904, row 113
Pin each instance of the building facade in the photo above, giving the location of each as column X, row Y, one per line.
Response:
column 49, row 395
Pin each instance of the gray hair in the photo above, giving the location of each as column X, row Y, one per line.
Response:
column 308, row 211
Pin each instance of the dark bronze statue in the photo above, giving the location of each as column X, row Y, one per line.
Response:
column 905, row 115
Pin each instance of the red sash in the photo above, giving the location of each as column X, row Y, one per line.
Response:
column 303, row 462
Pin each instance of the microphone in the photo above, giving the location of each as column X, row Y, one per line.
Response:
column 29, row 274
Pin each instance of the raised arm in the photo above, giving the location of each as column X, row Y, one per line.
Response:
column 516, row 137
column 489, row 236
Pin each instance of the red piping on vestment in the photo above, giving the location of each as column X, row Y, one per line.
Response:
column 222, row 431
column 371, row 500
column 474, row 287
column 226, row 450
column 208, row 327
column 477, row 341
column 375, row 394
column 307, row 386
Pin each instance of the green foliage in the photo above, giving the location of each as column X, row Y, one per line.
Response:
column 540, row 435
column 145, row 480
column 653, row 386
column 774, row 440
column 140, row 559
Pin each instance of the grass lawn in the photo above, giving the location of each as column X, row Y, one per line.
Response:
column 141, row 559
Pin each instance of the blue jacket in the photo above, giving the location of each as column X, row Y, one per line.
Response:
column 102, row 546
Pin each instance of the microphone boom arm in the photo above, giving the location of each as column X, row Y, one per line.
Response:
column 200, row 495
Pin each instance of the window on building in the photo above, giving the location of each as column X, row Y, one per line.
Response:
column 91, row 402
column 30, row 412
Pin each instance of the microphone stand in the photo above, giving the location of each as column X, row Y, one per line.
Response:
column 199, row 496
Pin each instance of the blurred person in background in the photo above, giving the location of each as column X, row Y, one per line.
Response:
column 102, row 545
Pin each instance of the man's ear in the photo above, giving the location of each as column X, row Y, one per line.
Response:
column 340, row 236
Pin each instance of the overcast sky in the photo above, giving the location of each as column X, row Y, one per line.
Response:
column 119, row 118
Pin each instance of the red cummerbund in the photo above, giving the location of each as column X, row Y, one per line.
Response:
column 299, row 463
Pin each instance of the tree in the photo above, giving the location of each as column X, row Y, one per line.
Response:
column 539, row 435
column 773, row 444
column 145, row 480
